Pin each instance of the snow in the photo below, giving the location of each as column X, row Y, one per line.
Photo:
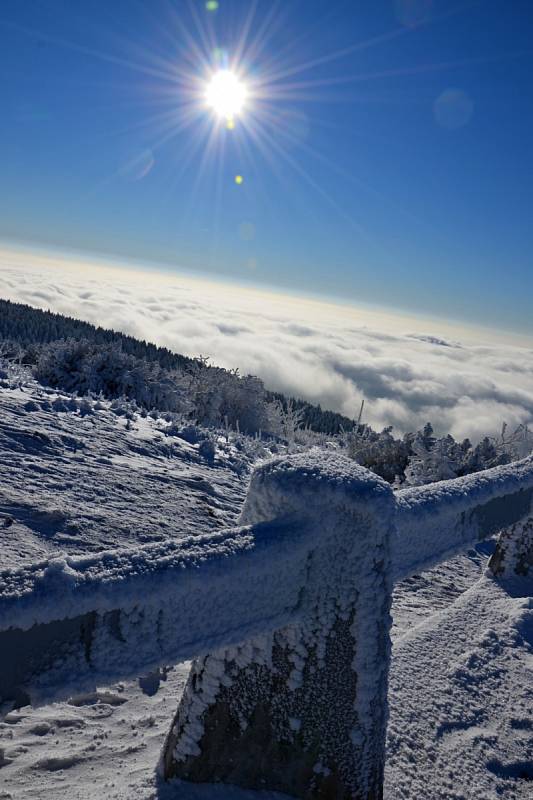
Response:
column 100, row 745
column 75, row 482
column 514, row 553
column 69, row 585
column 461, row 700
column 328, row 668
column 461, row 712
column 437, row 521
column 461, row 709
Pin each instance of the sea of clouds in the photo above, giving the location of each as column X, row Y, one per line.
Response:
column 408, row 370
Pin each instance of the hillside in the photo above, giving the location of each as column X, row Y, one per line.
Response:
column 28, row 329
column 85, row 476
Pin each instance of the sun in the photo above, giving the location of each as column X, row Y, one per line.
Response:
column 226, row 94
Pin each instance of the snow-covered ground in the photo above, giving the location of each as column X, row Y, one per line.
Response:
column 461, row 707
column 75, row 479
column 461, row 694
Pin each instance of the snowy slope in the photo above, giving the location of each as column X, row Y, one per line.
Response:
column 461, row 696
column 98, row 746
column 76, row 482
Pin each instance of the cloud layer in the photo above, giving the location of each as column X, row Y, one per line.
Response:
column 408, row 370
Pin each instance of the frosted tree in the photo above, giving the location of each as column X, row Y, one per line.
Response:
column 432, row 459
column 289, row 419
column 484, row 455
column 379, row 452
column 517, row 444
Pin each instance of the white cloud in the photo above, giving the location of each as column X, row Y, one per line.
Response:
column 408, row 370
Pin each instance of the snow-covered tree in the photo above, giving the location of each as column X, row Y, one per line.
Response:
column 379, row 452
column 287, row 419
column 432, row 459
column 515, row 444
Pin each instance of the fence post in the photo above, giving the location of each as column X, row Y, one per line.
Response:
column 514, row 551
column 303, row 710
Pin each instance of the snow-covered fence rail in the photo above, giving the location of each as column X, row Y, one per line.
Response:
column 287, row 617
column 437, row 521
column 120, row 612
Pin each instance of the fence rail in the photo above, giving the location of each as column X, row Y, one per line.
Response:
column 287, row 616
column 437, row 521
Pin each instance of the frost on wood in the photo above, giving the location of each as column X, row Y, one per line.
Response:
column 435, row 522
column 68, row 624
column 303, row 710
column 514, row 551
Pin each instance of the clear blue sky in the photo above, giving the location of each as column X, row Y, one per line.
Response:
column 387, row 157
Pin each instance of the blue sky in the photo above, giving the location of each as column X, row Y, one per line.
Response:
column 386, row 159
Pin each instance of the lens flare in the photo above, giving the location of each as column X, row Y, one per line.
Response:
column 226, row 94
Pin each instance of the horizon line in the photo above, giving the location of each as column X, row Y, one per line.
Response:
column 116, row 262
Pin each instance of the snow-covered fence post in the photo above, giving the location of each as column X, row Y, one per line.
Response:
column 303, row 710
column 514, row 552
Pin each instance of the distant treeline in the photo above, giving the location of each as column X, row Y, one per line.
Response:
column 314, row 416
column 26, row 325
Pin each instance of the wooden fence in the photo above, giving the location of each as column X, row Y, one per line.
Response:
column 287, row 619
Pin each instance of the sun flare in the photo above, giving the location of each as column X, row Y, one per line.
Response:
column 226, row 94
